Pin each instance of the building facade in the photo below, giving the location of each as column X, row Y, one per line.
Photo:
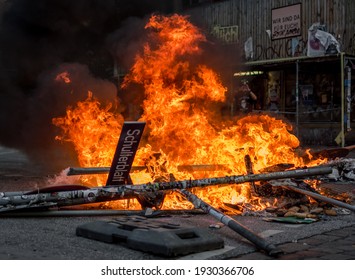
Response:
column 298, row 56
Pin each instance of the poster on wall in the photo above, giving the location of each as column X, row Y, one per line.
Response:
column 321, row 42
column 286, row 22
column 306, row 94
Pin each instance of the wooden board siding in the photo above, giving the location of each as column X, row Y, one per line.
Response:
column 253, row 18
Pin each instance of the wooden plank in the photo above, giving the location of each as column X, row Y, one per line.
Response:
column 253, row 18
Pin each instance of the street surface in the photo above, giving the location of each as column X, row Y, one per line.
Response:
column 54, row 236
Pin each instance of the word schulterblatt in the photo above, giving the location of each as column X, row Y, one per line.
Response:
column 126, row 155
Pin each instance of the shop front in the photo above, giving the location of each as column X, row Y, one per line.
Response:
column 313, row 93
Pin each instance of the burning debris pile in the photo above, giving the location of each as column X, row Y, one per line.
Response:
column 265, row 187
column 188, row 145
column 345, row 170
column 182, row 108
column 191, row 156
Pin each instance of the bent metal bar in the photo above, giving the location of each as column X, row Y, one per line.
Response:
column 57, row 198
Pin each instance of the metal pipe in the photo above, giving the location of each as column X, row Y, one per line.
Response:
column 296, row 173
column 109, row 193
column 297, row 100
column 321, row 197
column 231, row 223
column 342, row 100
column 105, row 169
column 348, row 98
column 89, row 212
column 88, row 170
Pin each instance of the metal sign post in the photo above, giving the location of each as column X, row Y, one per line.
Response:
column 348, row 97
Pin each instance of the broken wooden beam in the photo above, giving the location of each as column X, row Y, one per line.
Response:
column 332, row 153
column 249, row 169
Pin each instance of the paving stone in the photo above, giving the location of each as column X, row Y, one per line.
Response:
column 301, row 255
column 337, row 257
column 340, row 232
column 288, row 257
column 254, row 256
column 345, row 248
column 350, row 253
column 293, row 247
column 343, row 243
column 319, row 239
column 327, row 249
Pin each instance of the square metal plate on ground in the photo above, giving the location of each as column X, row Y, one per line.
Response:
column 147, row 235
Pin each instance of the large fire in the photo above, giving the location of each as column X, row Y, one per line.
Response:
column 182, row 109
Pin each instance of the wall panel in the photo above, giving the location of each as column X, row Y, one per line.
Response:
column 253, row 18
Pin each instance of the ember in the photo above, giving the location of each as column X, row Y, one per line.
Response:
column 63, row 77
column 182, row 109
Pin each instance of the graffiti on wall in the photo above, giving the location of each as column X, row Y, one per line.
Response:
column 281, row 49
column 226, row 34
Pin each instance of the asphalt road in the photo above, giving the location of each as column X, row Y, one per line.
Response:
column 54, row 236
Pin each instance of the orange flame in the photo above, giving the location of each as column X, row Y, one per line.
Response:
column 64, row 76
column 93, row 129
column 182, row 108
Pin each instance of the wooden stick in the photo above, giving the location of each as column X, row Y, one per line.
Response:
column 249, row 169
column 333, row 153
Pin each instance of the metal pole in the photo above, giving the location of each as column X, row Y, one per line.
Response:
column 296, row 173
column 88, row 170
column 297, row 100
column 342, row 100
column 106, row 169
column 321, row 197
column 348, row 98
column 100, row 194
column 87, row 212
column 231, row 223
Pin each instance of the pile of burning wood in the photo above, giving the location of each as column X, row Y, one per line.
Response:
column 344, row 170
column 274, row 184
column 284, row 183
column 301, row 200
column 295, row 197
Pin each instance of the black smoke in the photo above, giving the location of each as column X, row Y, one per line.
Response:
column 41, row 38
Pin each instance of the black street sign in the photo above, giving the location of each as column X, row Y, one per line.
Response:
column 125, row 152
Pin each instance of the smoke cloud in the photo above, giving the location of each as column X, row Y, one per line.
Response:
column 42, row 38
column 39, row 40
